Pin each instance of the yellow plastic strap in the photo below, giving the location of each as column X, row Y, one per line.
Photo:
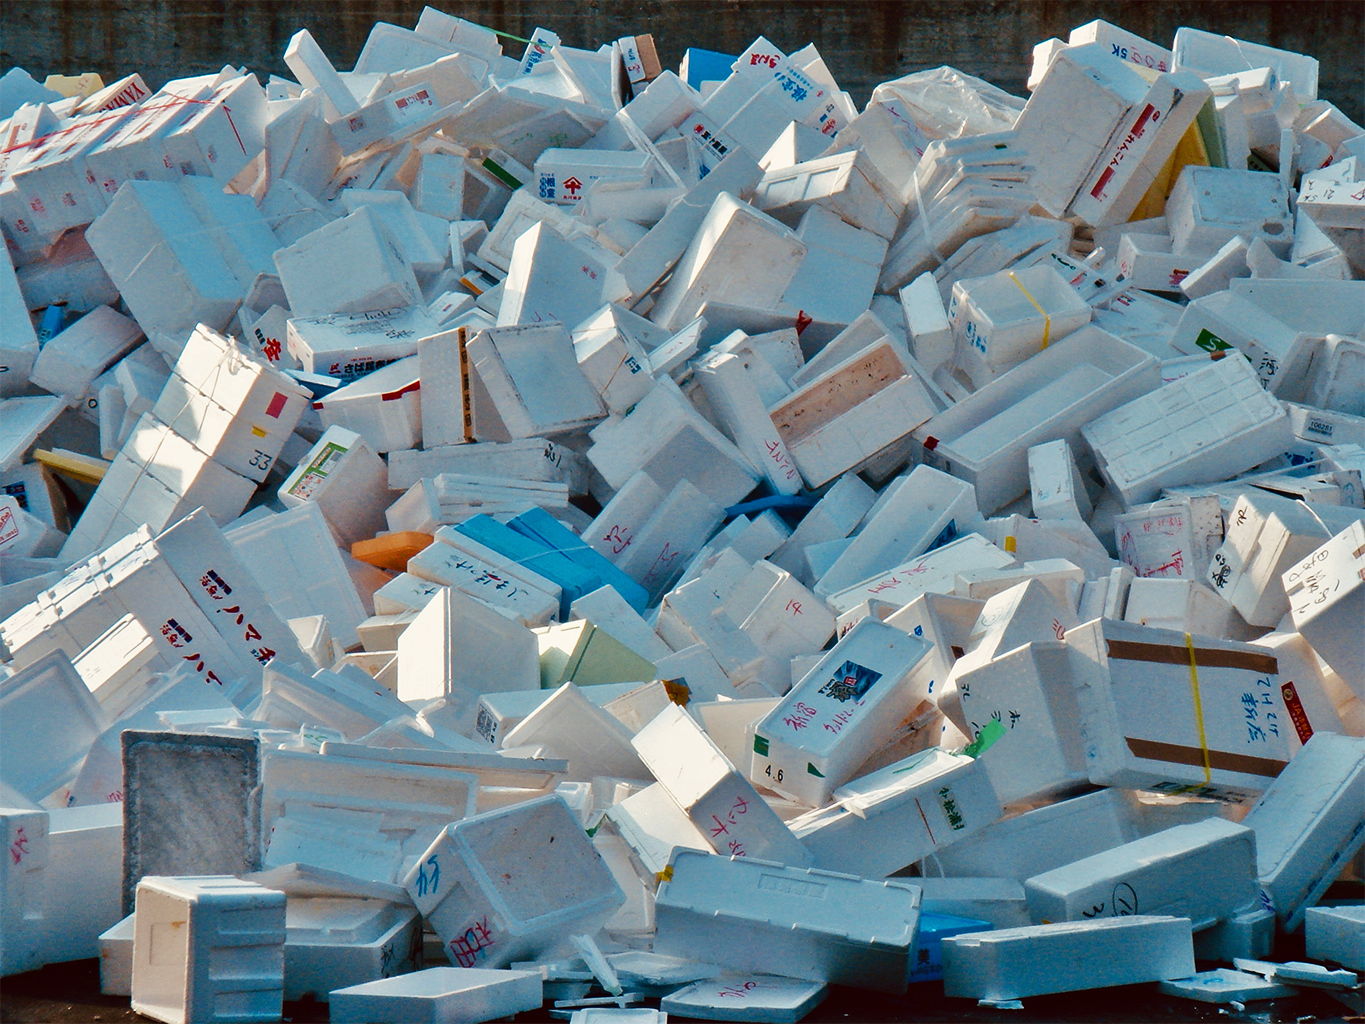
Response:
column 1198, row 707
column 1047, row 320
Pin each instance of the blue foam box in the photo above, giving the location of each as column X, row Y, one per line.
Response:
column 538, row 525
column 933, row 929
column 705, row 66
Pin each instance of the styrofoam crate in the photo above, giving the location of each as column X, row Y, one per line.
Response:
column 481, row 884
column 770, row 918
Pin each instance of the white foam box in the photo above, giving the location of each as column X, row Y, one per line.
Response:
column 1223, row 320
column 772, row 918
column 1216, row 54
column 20, row 346
column 1001, row 320
column 985, row 438
column 613, row 358
column 437, row 995
column 351, row 265
column 1170, row 539
column 130, row 577
column 846, row 708
column 532, row 384
column 478, row 572
column 927, row 508
column 932, row 573
column 736, row 402
column 532, row 459
column 481, row 884
column 352, row 703
column 1308, row 824
column 346, row 480
column 553, row 278
column 1142, row 719
column 236, row 410
column 731, row 235
column 1336, row 934
column 1141, row 144
column 1287, row 536
column 1326, row 594
column 563, row 175
column 1042, row 959
column 453, row 646
column 1186, row 606
column 1208, row 206
column 886, row 820
column 208, row 948
column 71, row 360
column 1210, row 425
column 384, row 407
column 1081, row 100
column 848, row 184
column 151, row 244
column 667, row 438
column 23, row 884
column 1204, row 871
column 715, row 797
column 294, row 558
column 1222, row 985
column 350, row 345
column 26, row 536
column 156, row 478
column 568, row 725
column 116, row 959
column 230, row 598
column 756, row 997
column 851, row 413
column 1046, row 837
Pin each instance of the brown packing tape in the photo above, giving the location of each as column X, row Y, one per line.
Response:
column 1174, row 753
column 1208, row 657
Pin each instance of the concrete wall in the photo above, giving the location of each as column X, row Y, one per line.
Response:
column 863, row 42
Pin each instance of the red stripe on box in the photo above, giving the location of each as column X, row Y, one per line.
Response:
column 1098, row 190
column 276, row 406
column 391, row 396
column 1146, row 116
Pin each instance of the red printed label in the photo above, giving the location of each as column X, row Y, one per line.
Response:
column 1297, row 715
column 276, row 406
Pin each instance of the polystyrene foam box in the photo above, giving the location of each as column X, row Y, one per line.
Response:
column 336, row 942
column 855, row 410
column 1146, row 724
column 533, row 383
column 804, row 923
column 1204, row 871
column 1001, row 320
column 208, row 948
column 192, row 804
column 48, row 720
column 1042, row 959
column 439, row 995
column 384, row 407
column 886, row 820
column 1308, row 824
column 351, row 265
column 1326, row 594
column 350, row 345
column 1336, row 934
column 754, row 997
column 348, row 482
column 455, row 645
column 116, row 958
column 295, row 560
column 830, row 722
column 231, row 407
column 151, row 245
column 716, row 797
column 985, row 438
column 507, row 885
column 74, row 358
column 23, row 889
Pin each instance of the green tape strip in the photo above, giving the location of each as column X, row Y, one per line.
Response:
column 985, row 739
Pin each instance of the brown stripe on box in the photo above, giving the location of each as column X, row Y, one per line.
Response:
column 1174, row 753
column 827, row 399
column 1210, row 657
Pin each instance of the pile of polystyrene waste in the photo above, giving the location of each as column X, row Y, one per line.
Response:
column 678, row 541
